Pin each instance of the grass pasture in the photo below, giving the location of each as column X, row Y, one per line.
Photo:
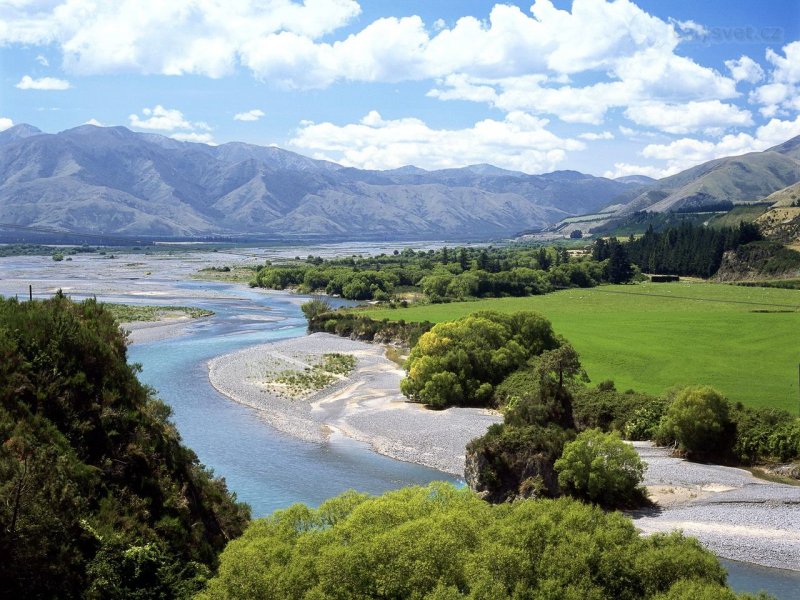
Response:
column 744, row 341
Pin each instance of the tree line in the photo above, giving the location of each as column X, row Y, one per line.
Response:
column 447, row 274
column 688, row 249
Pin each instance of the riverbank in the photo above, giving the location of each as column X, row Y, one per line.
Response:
column 734, row 514
column 366, row 405
column 145, row 332
column 731, row 512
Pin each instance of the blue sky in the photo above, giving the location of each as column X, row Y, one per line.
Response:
column 608, row 88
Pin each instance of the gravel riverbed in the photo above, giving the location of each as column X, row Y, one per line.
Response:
column 732, row 513
column 366, row 405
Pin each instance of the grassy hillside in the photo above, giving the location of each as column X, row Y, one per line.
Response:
column 785, row 197
column 650, row 337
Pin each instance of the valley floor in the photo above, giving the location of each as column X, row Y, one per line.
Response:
column 734, row 514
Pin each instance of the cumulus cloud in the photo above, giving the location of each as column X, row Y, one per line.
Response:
column 5, row 123
column 193, row 136
column 711, row 116
column 250, row 115
column 171, row 38
column 42, row 60
column 781, row 94
column 163, row 119
column 519, row 141
column 622, row 169
column 94, row 122
column 686, row 152
column 745, row 69
column 592, row 136
column 160, row 119
column 43, row 83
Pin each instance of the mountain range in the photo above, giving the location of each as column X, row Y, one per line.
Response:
column 114, row 181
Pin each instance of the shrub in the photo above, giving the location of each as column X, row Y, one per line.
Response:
column 600, row 467
column 698, row 420
column 437, row 542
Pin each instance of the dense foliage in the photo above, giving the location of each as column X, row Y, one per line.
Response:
column 98, row 497
column 600, row 467
column 442, row 275
column 362, row 327
column 702, row 423
column 439, row 543
column 688, row 249
column 698, row 420
column 460, row 362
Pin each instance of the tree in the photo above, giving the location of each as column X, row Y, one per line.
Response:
column 600, row 467
column 96, row 486
column 476, row 353
column 699, row 421
column 576, row 234
column 437, row 542
column 619, row 265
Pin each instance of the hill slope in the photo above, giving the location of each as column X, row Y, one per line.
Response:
column 115, row 181
column 749, row 177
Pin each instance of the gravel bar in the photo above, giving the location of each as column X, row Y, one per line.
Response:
column 731, row 512
column 366, row 405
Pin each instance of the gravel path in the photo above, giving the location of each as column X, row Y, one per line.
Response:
column 732, row 513
column 366, row 405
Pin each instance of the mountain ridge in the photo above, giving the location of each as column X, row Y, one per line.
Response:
column 112, row 180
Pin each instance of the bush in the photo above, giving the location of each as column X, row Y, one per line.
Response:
column 600, row 467
column 437, row 542
column 765, row 434
column 460, row 362
column 315, row 307
column 698, row 420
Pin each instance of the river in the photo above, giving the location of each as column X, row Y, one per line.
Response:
column 268, row 469
column 265, row 468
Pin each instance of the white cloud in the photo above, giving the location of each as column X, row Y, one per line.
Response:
column 44, row 83
column 5, row 123
column 683, row 153
column 94, row 122
column 149, row 36
column 250, row 115
column 781, row 94
column 745, row 69
column 163, row 119
column 203, row 138
column 160, row 118
column 622, row 169
column 686, row 152
column 520, row 141
column 710, row 116
column 42, row 60
column 604, row 135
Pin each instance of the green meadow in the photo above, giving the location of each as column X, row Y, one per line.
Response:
column 744, row 341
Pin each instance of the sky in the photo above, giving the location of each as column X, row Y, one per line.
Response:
column 607, row 88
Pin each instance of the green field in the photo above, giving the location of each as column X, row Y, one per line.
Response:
column 744, row 341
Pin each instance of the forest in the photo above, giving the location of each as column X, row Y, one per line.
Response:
column 99, row 498
column 449, row 274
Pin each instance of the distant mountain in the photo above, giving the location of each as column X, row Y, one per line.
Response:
column 111, row 180
column 18, row 132
column 749, row 177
